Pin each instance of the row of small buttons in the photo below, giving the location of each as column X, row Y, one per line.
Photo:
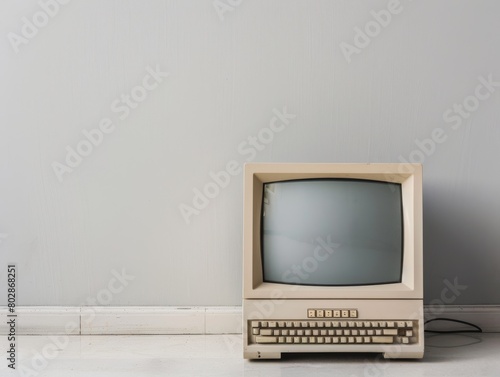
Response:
column 313, row 324
column 339, row 332
column 332, row 313
column 331, row 340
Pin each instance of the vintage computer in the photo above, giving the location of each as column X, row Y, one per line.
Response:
column 332, row 259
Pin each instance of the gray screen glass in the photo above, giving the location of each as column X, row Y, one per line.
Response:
column 332, row 232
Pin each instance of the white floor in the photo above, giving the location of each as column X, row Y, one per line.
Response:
column 220, row 355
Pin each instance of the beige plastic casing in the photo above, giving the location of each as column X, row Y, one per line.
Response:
column 386, row 301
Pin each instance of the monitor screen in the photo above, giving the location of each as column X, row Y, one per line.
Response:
column 332, row 232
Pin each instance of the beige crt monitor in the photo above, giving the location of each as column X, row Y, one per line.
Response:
column 332, row 259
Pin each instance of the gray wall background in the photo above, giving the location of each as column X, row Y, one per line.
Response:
column 119, row 208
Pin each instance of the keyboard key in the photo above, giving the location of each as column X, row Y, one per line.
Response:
column 336, row 313
column 353, row 313
column 328, row 313
column 383, row 339
column 311, row 313
column 266, row 339
column 345, row 313
column 333, row 332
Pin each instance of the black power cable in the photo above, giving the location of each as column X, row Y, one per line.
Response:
column 477, row 328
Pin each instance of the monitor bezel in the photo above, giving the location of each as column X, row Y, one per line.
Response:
column 410, row 178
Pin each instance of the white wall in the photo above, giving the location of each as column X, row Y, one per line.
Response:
column 118, row 209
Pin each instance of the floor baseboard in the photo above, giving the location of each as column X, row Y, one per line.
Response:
column 147, row 320
column 128, row 320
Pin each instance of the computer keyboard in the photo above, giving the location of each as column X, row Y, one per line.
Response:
column 334, row 332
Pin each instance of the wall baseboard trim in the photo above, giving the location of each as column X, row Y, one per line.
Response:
column 148, row 320
column 123, row 320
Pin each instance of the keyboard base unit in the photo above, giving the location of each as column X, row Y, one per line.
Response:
column 329, row 326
